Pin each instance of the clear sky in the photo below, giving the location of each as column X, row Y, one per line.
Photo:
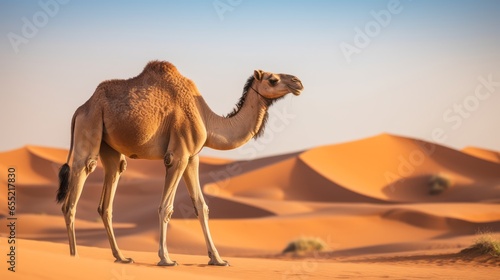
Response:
column 424, row 69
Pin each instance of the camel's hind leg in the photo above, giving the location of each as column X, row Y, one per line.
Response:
column 87, row 140
column 114, row 164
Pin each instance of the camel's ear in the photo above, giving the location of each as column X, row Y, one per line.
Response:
column 258, row 74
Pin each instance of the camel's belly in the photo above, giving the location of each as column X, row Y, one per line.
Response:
column 145, row 142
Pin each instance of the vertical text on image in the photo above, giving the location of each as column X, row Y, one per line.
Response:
column 11, row 218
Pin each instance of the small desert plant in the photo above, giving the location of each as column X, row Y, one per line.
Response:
column 304, row 245
column 438, row 184
column 485, row 244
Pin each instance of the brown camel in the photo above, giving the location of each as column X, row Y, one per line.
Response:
column 159, row 114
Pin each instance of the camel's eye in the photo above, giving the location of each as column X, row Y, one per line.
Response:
column 273, row 81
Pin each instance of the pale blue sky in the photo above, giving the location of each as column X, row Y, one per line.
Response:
column 427, row 58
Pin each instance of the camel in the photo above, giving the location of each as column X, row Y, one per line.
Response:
column 159, row 115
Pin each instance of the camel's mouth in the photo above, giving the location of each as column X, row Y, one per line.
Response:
column 296, row 86
column 295, row 91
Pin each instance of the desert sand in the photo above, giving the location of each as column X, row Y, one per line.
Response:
column 369, row 200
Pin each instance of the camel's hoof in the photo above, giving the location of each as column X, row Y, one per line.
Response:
column 126, row 260
column 224, row 263
column 165, row 263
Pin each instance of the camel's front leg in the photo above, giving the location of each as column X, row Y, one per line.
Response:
column 193, row 184
column 175, row 167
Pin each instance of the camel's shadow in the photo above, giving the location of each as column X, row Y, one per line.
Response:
column 144, row 264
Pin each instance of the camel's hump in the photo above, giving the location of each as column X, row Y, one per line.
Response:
column 160, row 67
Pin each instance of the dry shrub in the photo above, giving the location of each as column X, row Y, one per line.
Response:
column 304, row 245
column 485, row 244
column 438, row 184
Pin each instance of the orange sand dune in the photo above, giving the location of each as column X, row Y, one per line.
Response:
column 36, row 169
column 383, row 168
column 489, row 155
column 394, row 168
column 364, row 197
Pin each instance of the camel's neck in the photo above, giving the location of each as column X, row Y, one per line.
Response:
column 225, row 133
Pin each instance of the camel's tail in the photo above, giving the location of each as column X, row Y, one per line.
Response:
column 62, row 192
column 63, row 183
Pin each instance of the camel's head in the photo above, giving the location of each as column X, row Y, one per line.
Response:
column 273, row 86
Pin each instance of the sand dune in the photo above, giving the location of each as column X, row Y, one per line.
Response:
column 485, row 154
column 364, row 197
column 397, row 169
column 380, row 169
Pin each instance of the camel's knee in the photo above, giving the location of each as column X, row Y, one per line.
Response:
column 91, row 165
column 166, row 213
column 123, row 165
column 168, row 159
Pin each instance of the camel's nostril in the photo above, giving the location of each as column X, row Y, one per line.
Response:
column 296, row 80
